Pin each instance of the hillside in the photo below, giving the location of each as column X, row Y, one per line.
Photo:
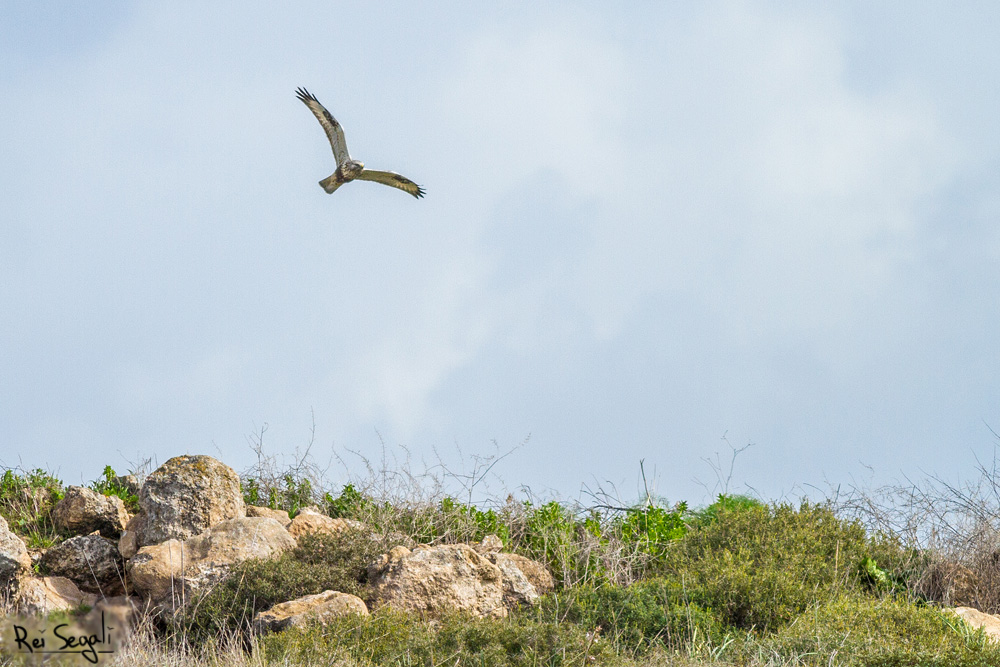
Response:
column 739, row 582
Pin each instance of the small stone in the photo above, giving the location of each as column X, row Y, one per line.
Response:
column 280, row 516
column 520, row 575
column 128, row 482
column 297, row 613
column 44, row 595
column 128, row 544
column 310, row 520
column 490, row 544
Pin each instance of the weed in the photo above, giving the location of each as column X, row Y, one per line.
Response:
column 653, row 528
column 26, row 502
column 290, row 494
column 110, row 484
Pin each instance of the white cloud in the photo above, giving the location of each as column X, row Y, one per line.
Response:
column 738, row 169
column 644, row 226
column 400, row 370
column 527, row 101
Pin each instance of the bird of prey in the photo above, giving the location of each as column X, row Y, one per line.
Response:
column 348, row 169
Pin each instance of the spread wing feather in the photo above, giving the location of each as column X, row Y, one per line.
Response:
column 334, row 132
column 393, row 179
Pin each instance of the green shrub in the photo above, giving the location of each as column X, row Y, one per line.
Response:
column 109, row 485
column 290, row 494
column 725, row 504
column 552, row 534
column 393, row 638
column 646, row 615
column 760, row 567
column 892, row 631
column 481, row 523
column 652, row 528
column 320, row 562
column 350, row 504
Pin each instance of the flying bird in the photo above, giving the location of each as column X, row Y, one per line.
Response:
column 348, row 169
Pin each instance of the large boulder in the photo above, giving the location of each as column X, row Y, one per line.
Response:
column 309, row 520
column 186, row 496
column 44, row 595
column 297, row 613
column 170, row 573
column 82, row 511
column 91, row 561
column 14, row 558
column 434, row 580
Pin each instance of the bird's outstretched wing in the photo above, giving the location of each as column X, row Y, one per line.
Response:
column 334, row 132
column 393, row 179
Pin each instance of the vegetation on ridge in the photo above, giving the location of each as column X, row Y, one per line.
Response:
column 740, row 582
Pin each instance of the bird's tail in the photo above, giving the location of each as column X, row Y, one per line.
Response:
column 330, row 183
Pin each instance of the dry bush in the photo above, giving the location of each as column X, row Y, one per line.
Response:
column 951, row 531
column 402, row 500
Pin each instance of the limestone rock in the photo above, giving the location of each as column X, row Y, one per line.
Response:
column 14, row 558
column 977, row 619
column 172, row 572
column 376, row 568
column 280, row 516
column 517, row 589
column 91, row 561
column 490, row 544
column 44, row 595
column 186, row 496
column 296, row 613
column 536, row 573
column 83, row 511
column 128, row 544
column 309, row 520
column 308, row 509
column 432, row 580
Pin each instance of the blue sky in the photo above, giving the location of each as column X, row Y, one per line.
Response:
column 645, row 229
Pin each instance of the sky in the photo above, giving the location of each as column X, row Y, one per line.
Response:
column 653, row 234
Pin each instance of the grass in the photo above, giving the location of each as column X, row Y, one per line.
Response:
column 740, row 582
column 26, row 502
